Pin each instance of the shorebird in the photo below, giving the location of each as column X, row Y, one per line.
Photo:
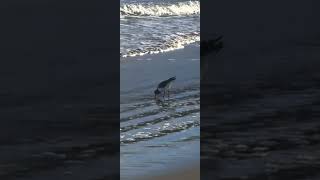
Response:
column 163, row 88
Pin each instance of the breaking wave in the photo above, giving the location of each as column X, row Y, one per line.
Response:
column 176, row 41
column 177, row 9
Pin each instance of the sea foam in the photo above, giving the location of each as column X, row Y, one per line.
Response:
column 176, row 9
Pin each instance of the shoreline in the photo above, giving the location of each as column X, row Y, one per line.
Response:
column 168, row 64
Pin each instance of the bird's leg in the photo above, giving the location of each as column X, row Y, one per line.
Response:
column 168, row 94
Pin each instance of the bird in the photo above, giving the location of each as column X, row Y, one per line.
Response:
column 163, row 88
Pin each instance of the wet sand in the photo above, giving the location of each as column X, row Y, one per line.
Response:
column 192, row 173
column 159, row 139
column 140, row 75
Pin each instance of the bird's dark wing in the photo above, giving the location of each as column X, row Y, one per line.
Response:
column 163, row 84
column 166, row 82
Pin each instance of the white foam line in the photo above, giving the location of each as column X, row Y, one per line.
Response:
column 177, row 9
column 176, row 41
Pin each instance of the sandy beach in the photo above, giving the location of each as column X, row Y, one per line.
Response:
column 140, row 75
column 156, row 139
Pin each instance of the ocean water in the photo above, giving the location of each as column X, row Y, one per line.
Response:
column 155, row 26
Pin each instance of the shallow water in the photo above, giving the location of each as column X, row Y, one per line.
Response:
column 159, row 138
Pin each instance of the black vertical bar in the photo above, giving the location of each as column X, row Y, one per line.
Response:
column 59, row 93
column 259, row 118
